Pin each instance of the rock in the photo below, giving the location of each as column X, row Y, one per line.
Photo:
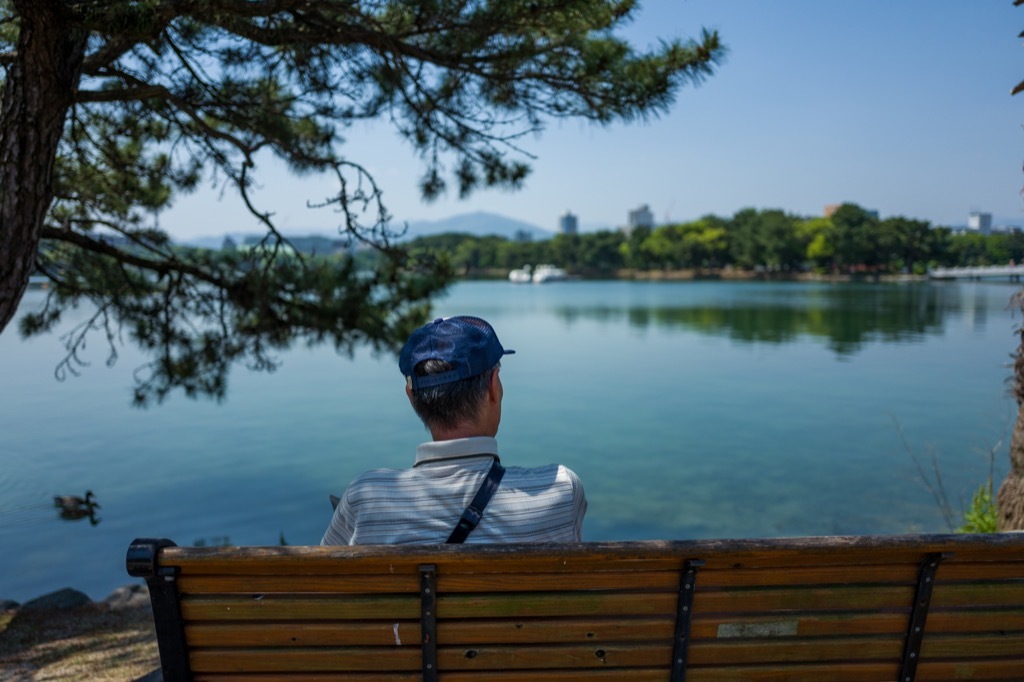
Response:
column 128, row 597
column 66, row 598
column 8, row 605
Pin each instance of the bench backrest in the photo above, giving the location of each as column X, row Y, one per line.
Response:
column 836, row 608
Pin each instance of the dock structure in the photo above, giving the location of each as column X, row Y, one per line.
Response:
column 1013, row 272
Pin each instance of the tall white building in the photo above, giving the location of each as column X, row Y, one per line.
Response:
column 568, row 224
column 979, row 222
column 640, row 217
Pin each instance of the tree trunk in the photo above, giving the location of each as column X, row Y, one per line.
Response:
column 1010, row 501
column 39, row 89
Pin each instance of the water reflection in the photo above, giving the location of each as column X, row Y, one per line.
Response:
column 847, row 317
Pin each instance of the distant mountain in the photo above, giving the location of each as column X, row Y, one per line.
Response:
column 309, row 243
column 479, row 224
column 215, row 241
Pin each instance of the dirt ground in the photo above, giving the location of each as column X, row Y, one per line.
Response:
column 90, row 642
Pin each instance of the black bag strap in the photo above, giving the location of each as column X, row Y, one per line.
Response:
column 475, row 511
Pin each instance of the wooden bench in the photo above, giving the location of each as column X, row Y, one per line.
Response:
column 899, row 608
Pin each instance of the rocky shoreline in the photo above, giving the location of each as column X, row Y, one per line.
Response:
column 65, row 635
column 124, row 597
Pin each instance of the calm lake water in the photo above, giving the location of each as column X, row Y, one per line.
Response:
column 690, row 410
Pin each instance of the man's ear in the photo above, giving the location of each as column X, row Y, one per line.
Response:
column 494, row 387
column 408, row 392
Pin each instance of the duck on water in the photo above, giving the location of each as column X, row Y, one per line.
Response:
column 73, row 508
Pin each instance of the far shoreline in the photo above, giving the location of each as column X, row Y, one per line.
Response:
column 706, row 275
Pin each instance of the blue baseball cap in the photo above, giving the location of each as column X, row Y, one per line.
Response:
column 469, row 344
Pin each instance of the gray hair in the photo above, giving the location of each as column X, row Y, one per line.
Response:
column 446, row 406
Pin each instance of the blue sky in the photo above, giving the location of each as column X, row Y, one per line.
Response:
column 900, row 106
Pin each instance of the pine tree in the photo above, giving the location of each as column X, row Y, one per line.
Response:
column 111, row 109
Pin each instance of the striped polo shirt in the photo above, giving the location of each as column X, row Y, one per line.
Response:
column 421, row 505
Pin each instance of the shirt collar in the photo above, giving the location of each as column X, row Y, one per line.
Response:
column 440, row 450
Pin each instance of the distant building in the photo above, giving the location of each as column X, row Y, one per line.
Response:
column 979, row 222
column 639, row 217
column 522, row 236
column 568, row 224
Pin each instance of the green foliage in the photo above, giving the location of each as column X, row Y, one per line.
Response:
column 217, row 308
column 600, row 252
column 769, row 240
column 981, row 516
column 159, row 97
column 856, row 235
column 818, row 234
column 698, row 244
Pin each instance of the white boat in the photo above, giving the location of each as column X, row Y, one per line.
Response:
column 548, row 273
column 520, row 275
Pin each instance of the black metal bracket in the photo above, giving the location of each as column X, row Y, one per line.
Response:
column 142, row 562
column 684, row 615
column 428, row 621
column 918, row 615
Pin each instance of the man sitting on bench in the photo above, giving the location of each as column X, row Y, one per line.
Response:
column 451, row 367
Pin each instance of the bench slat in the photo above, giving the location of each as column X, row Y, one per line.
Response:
column 492, row 659
column 968, row 646
column 513, row 582
column 540, row 657
column 633, row 674
column 589, row 557
column 568, row 630
column 653, row 580
column 832, row 672
column 953, row 571
column 845, row 673
column 348, row 608
column 517, row 631
column 334, row 659
column 724, row 601
column 305, row 634
column 987, row 594
column 1005, row 669
column 407, row 583
column 583, row 603
column 1010, row 618
column 403, row 607
column 533, row 604
column 667, row 581
column 307, row 677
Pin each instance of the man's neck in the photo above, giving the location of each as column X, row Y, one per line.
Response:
column 463, row 431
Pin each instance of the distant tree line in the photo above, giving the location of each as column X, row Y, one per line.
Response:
column 851, row 240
